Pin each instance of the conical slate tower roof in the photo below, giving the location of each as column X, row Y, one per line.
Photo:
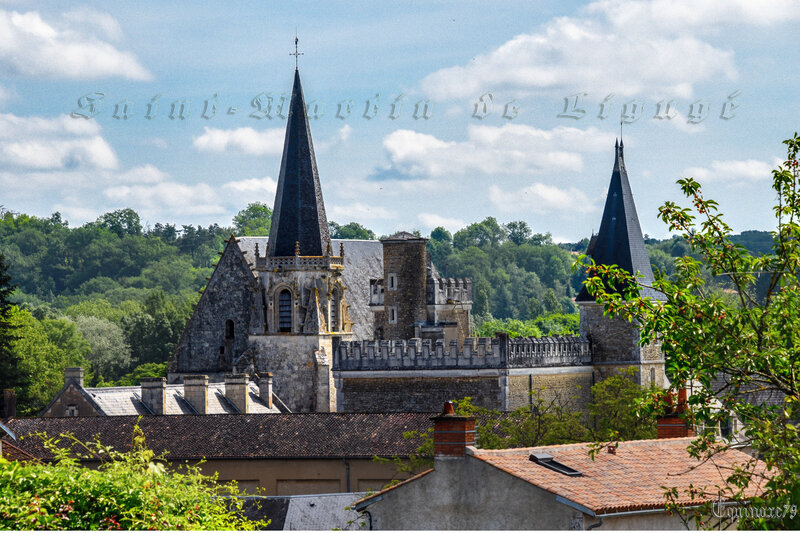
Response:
column 619, row 241
column 299, row 212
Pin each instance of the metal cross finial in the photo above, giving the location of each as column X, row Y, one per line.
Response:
column 296, row 53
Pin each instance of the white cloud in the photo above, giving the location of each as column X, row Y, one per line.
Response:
column 263, row 188
column 678, row 16
column 541, row 199
column 30, row 46
column 432, row 220
column 143, row 174
column 53, row 143
column 340, row 139
column 243, row 140
column 153, row 200
column 358, row 211
column 733, row 170
column 512, row 149
column 627, row 48
column 89, row 19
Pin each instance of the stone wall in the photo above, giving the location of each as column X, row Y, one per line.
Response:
column 416, row 393
column 406, row 260
column 70, row 395
column 613, row 339
column 203, row 347
column 294, row 361
column 569, row 386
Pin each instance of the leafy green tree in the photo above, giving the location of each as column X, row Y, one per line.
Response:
column 351, row 230
column 134, row 377
column 12, row 375
column 122, row 222
column 518, row 232
column 255, row 219
column 615, row 411
column 110, row 353
column 736, row 358
column 131, row 490
column 45, row 348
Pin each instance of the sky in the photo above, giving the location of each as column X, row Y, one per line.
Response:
column 423, row 114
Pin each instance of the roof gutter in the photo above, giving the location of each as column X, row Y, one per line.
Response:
column 586, row 510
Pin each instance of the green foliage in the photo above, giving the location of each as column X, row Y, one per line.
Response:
column 122, row 222
column 352, row 230
column 45, row 348
column 134, row 377
column 541, row 326
column 132, row 490
column 732, row 354
column 110, row 353
column 619, row 409
column 11, row 373
column 255, row 219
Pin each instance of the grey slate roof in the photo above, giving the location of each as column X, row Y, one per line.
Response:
column 307, row 512
column 619, row 240
column 363, row 260
column 299, row 212
column 119, row 401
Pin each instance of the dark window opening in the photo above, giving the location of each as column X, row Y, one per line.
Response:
column 284, row 311
column 229, row 329
column 546, row 460
column 333, row 326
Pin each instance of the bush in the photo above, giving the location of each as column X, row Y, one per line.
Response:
column 131, row 490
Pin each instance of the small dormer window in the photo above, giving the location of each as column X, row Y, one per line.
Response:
column 392, row 281
column 72, row 410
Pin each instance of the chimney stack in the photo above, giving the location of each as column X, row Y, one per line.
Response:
column 154, row 394
column 452, row 433
column 8, row 409
column 265, row 389
column 237, row 391
column 74, row 374
column 195, row 391
column 672, row 424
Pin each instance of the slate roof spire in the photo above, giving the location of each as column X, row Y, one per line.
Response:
column 619, row 240
column 298, row 215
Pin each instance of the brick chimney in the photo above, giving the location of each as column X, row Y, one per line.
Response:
column 237, row 391
column 673, row 423
column 265, row 389
column 8, row 408
column 195, row 391
column 73, row 374
column 154, row 394
column 452, row 433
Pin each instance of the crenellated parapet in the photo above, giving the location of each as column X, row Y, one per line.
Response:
column 448, row 290
column 476, row 353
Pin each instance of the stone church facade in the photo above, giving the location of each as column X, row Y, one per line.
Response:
column 371, row 326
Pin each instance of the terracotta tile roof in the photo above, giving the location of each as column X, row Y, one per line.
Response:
column 273, row 436
column 13, row 453
column 631, row 479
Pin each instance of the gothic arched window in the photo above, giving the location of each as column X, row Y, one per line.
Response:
column 285, row 311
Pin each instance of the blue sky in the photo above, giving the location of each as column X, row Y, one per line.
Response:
column 497, row 107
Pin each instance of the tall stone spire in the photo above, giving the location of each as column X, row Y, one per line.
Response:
column 619, row 240
column 298, row 215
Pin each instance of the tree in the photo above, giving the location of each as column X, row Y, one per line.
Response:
column 131, row 490
column 518, row 231
column 351, row 230
column 110, row 353
column 12, row 375
column 255, row 219
column 738, row 358
column 122, row 222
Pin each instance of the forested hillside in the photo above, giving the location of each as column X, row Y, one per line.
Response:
column 113, row 296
